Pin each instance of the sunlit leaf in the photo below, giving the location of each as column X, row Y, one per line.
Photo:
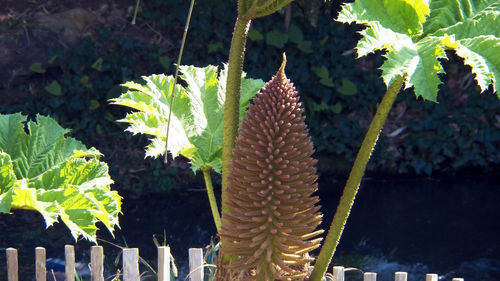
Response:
column 482, row 54
column 42, row 170
column 401, row 16
column 414, row 44
column 197, row 113
column 7, row 176
column 463, row 18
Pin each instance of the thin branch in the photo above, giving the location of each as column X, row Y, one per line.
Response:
column 186, row 27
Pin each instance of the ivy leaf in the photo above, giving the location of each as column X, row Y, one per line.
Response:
column 37, row 67
column 197, row 113
column 255, row 35
column 59, row 177
column 214, row 47
column 414, row 43
column 259, row 8
column 347, row 87
column 54, row 88
column 305, row 46
column 295, row 34
column 276, row 38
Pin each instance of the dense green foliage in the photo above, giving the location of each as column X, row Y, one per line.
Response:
column 419, row 138
column 42, row 170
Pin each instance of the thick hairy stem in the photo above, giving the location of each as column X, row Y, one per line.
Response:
column 232, row 104
column 211, row 197
column 352, row 185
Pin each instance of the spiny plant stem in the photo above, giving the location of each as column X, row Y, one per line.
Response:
column 352, row 184
column 186, row 27
column 232, row 105
column 211, row 197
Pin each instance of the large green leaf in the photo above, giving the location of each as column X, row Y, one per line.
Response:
column 197, row 113
column 42, row 170
column 414, row 43
column 463, row 17
column 7, row 176
column 401, row 16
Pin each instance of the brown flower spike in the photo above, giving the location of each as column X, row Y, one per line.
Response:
column 272, row 214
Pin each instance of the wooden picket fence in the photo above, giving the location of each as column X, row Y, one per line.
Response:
column 130, row 272
column 338, row 275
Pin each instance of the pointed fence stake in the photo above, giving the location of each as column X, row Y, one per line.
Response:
column 12, row 266
column 130, row 264
column 40, row 269
column 164, row 263
column 196, row 264
column 96, row 262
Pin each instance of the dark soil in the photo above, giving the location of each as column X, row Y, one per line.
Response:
column 28, row 29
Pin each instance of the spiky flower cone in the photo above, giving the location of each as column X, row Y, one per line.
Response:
column 272, row 214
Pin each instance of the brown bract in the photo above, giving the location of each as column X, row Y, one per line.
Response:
column 272, row 214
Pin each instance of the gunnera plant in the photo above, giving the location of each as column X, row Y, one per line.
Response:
column 272, row 216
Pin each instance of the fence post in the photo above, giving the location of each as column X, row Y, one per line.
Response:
column 96, row 260
column 400, row 276
column 338, row 273
column 196, row 264
column 130, row 264
column 12, row 267
column 69, row 262
column 457, row 279
column 431, row 277
column 164, row 263
column 40, row 269
column 369, row 276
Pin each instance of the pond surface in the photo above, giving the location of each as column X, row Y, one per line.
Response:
column 450, row 227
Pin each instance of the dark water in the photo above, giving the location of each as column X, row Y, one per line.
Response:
column 450, row 227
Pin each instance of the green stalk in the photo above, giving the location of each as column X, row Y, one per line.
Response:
column 211, row 197
column 232, row 108
column 352, row 184
column 232, row 103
